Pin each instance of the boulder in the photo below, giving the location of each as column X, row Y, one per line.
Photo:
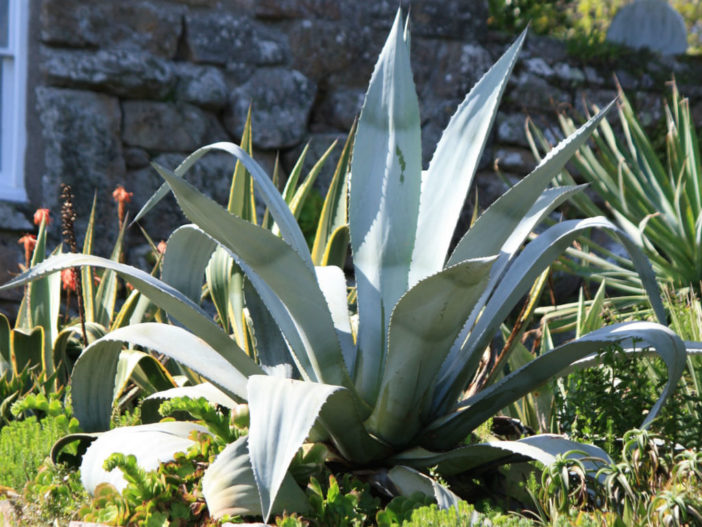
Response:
column 282, row 100
column 217, row 38
column 652, row 24
column 132, row 25
column 169, row 127
column 337, row 109
column 321, row 47
column 81, row 133
column 121, row 72
column 201, row 85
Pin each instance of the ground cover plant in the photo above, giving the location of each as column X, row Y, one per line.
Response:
column 394, row 386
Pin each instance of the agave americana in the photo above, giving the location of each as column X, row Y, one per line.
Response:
column 390, row 395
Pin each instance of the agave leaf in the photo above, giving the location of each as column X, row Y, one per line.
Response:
column 287, row 224
column 384, row 200
column 218, row 274
column 453, row 165
column 525, row 268
column 151, row 404
column 28, row 349
column 407, row 481
column 106, row 294
column 165, row 296
column 241, row 194
column 332, row 283
column 42, row 303
column 294, row 177
column 270, row 346
column 94, row 373
column 449, row 430
column 334, row 210
column 132, row 311
column 593, row 318
column 87, row 284
column 187, row 255
column 542, row 448
column 545, row 204
column 5, row 350
column 282, row 414
column 500, row 226
column 301, row 193
column 423, row 325
column 337, row 247
column 151, row 444
column 285, row 282
column 62, row 362
column 229, row 487
column 144, row 369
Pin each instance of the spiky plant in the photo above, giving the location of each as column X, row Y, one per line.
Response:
column 400, row 394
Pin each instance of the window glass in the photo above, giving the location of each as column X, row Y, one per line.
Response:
column 4, row 28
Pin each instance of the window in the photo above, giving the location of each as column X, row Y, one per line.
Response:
column 14, row 18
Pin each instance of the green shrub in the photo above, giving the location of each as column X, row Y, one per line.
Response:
column 25, row 444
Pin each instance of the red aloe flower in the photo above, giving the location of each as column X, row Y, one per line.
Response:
column 122, row 197
column 69, row 279
column 29, row 241
column 41, row 215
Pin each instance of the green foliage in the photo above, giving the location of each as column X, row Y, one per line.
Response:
column 623, row 390
column 345, row 503
column 400, row 509
column 542, row 16
column 51, row 497
column 217, row 420
column 25, row 444
column 464, row 515
column 581, row 22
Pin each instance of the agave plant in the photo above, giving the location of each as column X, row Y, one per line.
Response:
column 401, row 389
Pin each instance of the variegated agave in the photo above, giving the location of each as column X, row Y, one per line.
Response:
column 390, row 396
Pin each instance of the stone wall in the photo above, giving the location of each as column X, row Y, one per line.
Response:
column 116, row 85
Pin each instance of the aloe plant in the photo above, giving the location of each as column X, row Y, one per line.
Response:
column 655, row 198
column 397, row 391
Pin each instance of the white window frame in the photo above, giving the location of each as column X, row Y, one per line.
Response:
column 14, row 101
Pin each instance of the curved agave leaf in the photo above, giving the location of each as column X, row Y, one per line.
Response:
column 289, row 228
column 334, row 210
column 545, row 204
column 144, row 369
column 384, row 200
column 94, row 373
column 225, row 287
column 269, row 345
column 282, row 414
column 167, row 297
column 106, row 294
column 332, row 283
column 229, row 487
column 453, row 165
column 517, row 280
column 505, row 224
column 150, row 444
column 407, row 481
column 285, row 283
column 423, row 325
column 185, row 261
column 542, row 448
column 449, row 430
